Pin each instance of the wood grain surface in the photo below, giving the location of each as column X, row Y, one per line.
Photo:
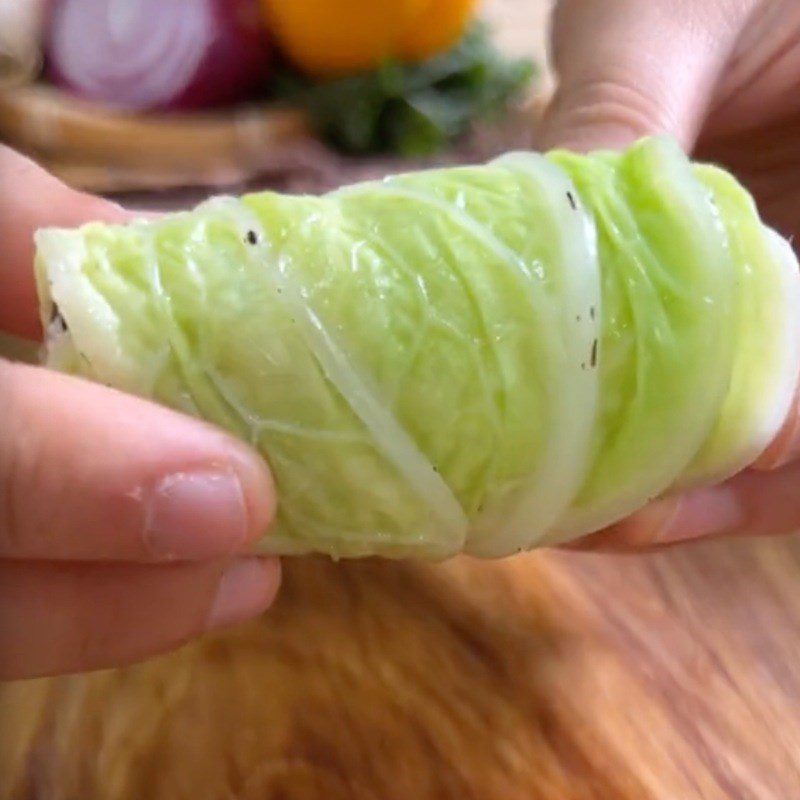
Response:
column 556, row 675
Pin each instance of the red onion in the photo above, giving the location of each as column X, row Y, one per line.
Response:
column 157, row 54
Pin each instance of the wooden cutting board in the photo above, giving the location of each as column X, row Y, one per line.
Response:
column 557, row 676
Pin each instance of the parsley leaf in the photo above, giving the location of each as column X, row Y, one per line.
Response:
column 409, row 109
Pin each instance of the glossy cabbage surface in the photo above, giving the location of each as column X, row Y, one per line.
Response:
column 474, row 359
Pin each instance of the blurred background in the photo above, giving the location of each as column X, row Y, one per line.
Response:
column 550, row 676
column 164, row 101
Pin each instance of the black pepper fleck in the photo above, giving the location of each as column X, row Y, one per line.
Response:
column 572, row 203
column 252, row 238
column 591, row 312
column 57, row 320
column 593, row 360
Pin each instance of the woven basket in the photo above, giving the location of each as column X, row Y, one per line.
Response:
column 101, row 150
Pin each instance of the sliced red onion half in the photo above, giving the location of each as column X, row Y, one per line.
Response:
column 157, row 54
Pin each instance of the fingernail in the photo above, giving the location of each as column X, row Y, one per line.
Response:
column 701, row 513
column 247, row 587
column 196, row 515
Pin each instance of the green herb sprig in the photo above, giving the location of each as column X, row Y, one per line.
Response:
column 411, row 109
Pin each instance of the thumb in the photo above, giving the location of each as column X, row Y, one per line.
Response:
column 30, row 198
column 628, row 69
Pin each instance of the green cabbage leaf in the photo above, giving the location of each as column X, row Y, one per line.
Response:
column 475, row 359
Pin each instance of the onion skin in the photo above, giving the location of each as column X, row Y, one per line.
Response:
column 157, row 55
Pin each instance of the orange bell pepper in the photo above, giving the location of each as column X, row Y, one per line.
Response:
column 334, row 37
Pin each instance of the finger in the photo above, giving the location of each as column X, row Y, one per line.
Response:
column 57, row 618
column 89, row 473
column 30, row 198
column 752, row 504
column 759, row 85
column 627, row 69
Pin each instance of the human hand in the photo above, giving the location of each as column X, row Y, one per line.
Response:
column 122, row 524
column 722, row 76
